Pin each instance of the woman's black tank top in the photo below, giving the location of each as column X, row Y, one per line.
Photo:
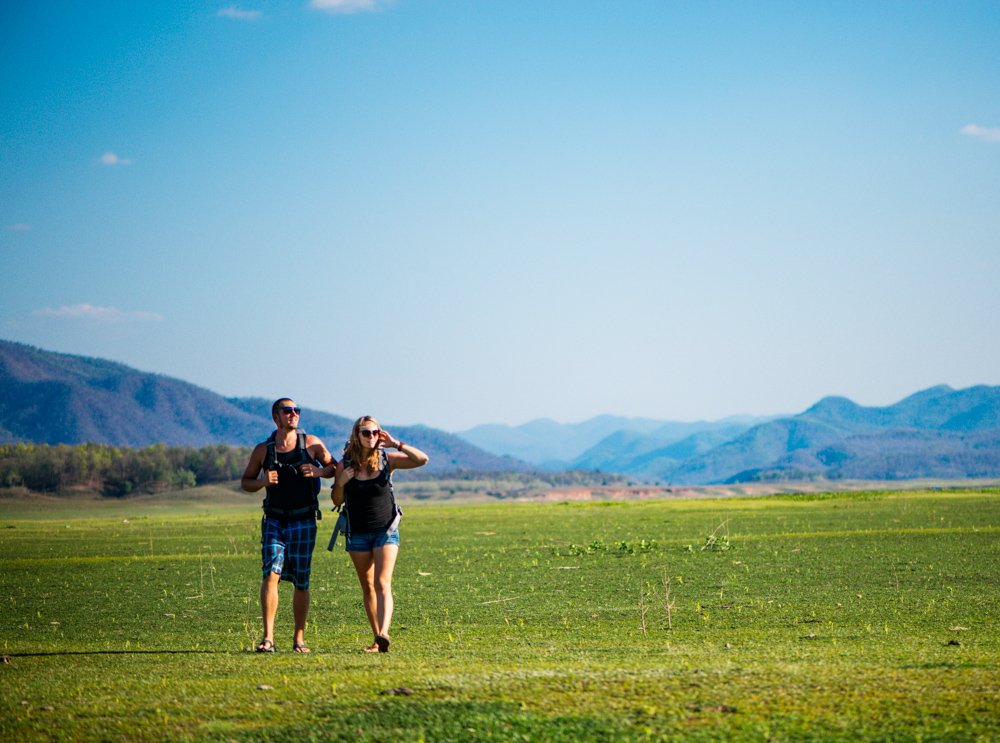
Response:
column 369, row 502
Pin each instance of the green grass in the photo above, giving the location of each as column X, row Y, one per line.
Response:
column 855, row 616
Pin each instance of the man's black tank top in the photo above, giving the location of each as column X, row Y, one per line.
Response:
column 369, row 502
column 293, row 492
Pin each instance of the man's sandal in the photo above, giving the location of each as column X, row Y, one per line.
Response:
column 265, row 646
column 382, row 641
column 300, row 648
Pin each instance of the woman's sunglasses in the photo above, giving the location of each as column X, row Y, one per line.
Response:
column 369, row 433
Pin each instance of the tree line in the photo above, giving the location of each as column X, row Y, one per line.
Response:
column 117, row 471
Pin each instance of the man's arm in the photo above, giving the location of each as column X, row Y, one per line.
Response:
column 318, row 451
column 251, row 481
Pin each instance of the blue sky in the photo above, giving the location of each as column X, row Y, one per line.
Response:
column 456, row 213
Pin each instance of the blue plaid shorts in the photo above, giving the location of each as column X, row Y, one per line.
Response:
column 286, row 548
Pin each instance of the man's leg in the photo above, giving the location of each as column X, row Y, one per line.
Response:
column 269, row 605
column 300, row 607
column 272, row 558
column 301, row 542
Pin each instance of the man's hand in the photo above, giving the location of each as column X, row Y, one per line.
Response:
column 309, row 470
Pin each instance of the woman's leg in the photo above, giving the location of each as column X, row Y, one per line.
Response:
column 364, row 565
column 384, row 564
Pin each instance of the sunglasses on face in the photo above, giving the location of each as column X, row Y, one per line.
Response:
column 369, row 433
column 289, row 409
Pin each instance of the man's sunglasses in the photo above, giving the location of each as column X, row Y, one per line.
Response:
column 290, row 409
column 369, row 434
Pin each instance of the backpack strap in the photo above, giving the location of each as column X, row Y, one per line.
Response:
column 271, row 457
column 303, row 451
column 343, row 525
column 270, row 462
column 397, row 512
column 384, row 460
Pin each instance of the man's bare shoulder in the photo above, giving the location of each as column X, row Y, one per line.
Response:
column 315, row 445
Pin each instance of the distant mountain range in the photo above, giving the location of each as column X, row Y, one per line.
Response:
column 937, row 433
column 548, row 443
column 56, row 398
column 605, row 442
column 941, row 432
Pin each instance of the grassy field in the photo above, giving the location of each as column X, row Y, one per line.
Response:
column 867, row 616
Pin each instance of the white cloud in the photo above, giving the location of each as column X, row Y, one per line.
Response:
column 19, row 227
column 240, row 15
column 988, row 134
column 111, row 159
column 92, row 313
column 346, row 6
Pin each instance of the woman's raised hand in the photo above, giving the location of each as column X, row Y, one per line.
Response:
column 384, row 439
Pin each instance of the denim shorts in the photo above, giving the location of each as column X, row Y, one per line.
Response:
column 366, row 541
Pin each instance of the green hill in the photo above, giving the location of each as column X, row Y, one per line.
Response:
column 55, row 398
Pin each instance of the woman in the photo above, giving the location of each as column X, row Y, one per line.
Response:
column 362, row 483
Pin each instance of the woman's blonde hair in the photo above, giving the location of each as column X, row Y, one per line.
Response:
column 354, row 453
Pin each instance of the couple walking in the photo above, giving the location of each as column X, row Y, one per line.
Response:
column 289, row 466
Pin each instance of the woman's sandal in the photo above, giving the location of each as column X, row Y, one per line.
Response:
column 300, row 648
column 265, row 646
column 373, row 648
column 382, row 641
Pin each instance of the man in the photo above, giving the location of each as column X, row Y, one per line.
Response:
column 288, row 529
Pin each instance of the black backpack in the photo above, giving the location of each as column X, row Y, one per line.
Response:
column 302, row 457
